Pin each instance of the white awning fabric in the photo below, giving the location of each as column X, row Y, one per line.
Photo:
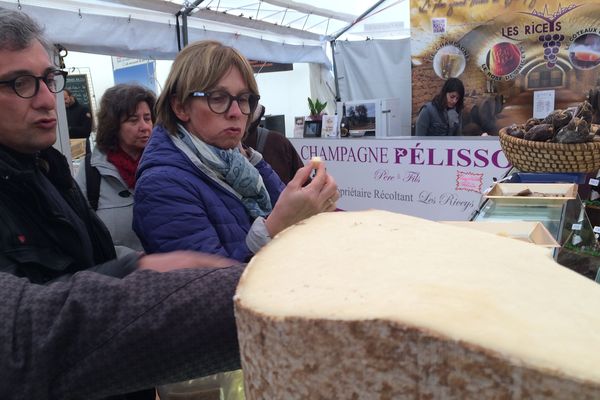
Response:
column 282, row 31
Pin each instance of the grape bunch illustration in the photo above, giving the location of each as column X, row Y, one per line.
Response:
column 551, row 40
column 551, row 43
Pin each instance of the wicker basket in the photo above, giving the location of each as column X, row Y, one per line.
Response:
column 531, row 156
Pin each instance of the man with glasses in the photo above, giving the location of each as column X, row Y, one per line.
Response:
column 89, row 334
column 49, row 231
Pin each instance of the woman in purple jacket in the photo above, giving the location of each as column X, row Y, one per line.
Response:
column 198, row 187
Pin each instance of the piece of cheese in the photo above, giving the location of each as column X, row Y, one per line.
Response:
column 377, row 305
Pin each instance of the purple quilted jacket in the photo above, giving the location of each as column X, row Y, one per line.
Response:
column 179, row 207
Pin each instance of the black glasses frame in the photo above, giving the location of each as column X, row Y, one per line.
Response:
column 252, row 100
column 45, row 79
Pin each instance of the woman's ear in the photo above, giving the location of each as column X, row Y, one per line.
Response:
column 179, row 109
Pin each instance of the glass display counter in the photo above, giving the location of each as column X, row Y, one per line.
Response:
column 567, row 221
column 555, row 217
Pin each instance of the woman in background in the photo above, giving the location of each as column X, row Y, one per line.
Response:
column 125, row 121
column 198, row 187
column 275, row 148
column 442, row 115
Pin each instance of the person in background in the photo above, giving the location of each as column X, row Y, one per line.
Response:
column 275, row 148
column 79, row 119
column 442, row 115
column 67, row 334
column 198, row 188
column 125, row 120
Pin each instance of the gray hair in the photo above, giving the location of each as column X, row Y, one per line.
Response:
column 18, row 30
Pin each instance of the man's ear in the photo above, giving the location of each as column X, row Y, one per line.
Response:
column 179, row 109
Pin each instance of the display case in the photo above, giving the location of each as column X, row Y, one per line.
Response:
column 555, row 216
column 565, row 218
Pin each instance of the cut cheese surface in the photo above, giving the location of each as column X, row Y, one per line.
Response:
column 489, row 292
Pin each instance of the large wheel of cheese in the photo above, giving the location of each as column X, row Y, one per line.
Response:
column 377, row 305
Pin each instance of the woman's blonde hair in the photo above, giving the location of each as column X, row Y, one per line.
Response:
column 199, row 67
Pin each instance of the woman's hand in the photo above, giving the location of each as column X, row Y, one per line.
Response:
column 298, row 202
column 181, row 259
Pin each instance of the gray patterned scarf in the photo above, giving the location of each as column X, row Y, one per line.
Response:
column 233, row 168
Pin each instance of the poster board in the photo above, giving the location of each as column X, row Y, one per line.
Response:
column 79, row 87
column 135, row 71
column 503, row 52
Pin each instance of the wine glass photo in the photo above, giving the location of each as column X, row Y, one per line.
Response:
column 584, row 52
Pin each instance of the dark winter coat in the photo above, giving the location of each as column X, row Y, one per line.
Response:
column 79, row 119
column 177, row 206
column 278, row 151
column 47, row 229
column 433, row 122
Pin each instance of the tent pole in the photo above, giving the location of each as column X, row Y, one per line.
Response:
column 184, row 14
column 335, row 73
column 188, row 10
column 357, row 20
column 184, row 29
column 178, row 28
column 340, row 33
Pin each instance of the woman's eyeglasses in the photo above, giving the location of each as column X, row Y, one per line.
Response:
column 220, row 101
column 27, row 86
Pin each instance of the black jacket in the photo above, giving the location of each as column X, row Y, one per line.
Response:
column 276, row 149
column 433, row 122
column 50, row 234
column 80, row 121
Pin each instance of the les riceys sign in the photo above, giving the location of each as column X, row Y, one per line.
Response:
column 506, row 49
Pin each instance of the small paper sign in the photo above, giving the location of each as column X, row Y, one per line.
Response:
column 597, row 229
column 543, row 103
column 576, row 227
column 594, row 182
column 298, row 127
column 330, row 127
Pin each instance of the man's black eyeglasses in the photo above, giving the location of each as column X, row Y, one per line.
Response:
column 27, row 86
column 220, row 101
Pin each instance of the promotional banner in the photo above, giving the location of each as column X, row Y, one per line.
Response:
column 130, row 70
column 78, row 85
column 504, row 52
column 433, row 179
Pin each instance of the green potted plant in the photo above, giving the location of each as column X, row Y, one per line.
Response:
column 316, row 109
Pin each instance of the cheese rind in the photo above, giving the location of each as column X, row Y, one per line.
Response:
column 352, row 304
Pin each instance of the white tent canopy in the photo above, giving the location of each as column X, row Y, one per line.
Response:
column 283, row 31
column 272, row 30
